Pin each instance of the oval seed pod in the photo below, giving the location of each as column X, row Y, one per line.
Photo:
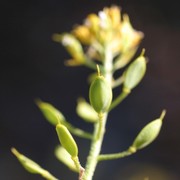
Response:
column 135, row 73
column 149, row 133
column 27, row 163
column 63, row 156
column 85, row 111
column 52, row 115
column 66, row 140
column 32, row 166
column 100, row 94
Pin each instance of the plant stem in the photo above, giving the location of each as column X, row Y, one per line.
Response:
column 76, row 131
column 123, row 154
column 95, row 149
column 119, row 99
column 99, row 128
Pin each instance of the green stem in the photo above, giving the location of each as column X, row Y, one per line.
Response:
column 105, row 157
column 76, row 131
column 119, row 99
column 118, row 82
column 95, row 149
column 78, row 166
column 99, row 128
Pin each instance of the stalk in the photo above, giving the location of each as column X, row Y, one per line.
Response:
column 99, row 128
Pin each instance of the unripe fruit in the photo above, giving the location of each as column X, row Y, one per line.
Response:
column 27, row 163
column 66, row 140
column 100, row 94
column 52, row 115
column 86, row 111
column 149, row 133
column 135, row 73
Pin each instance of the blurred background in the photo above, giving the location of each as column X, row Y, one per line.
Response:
column 32, row 66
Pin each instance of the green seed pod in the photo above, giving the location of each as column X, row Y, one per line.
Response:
column 66, row 140
column 100, row 94
column 135, row 73
column 86, row 112
column 149, row 133
column 27, row 163
column 32, row 166
column 51, row 114
column 63, row 156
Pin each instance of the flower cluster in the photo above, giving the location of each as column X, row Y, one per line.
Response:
column 107, row 29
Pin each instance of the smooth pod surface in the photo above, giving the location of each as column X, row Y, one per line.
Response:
column 51, row 114
column 66, row 140
column 135, row 73
column 100, row 94
column 148, row 134
column 86, row 112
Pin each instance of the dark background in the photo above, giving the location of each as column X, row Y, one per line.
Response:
column 32, row 66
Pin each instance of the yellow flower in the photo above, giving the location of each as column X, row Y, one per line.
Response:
column 106, row 29
column 130, row 37
column 114, row 14
column 83, row 34
column 73, row 47
column 92, row 22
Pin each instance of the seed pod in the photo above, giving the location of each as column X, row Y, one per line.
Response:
column 135, row 73
column 27, row 163
column 66, row 140
column 149, row 133
column 100, row 94
column 51, row 114
column 85, row 111
column 32, row 166
column 63, row 156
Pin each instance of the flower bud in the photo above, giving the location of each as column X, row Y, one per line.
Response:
column 149, row 133
column 66, row 140
column 73, row 47
column 135, row 73
column 100, row 94
column 83, row 34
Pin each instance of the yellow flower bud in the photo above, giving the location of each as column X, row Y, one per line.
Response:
column 130, row 37
column 83, row 34
column 73, row 47
column 92, row 22
column 66, row 140
column 115, row 16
